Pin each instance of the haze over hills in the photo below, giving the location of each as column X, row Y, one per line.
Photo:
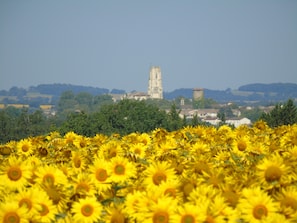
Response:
column 250, row 93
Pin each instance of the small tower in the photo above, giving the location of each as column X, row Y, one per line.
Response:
column 155, row 89
column 198, row 94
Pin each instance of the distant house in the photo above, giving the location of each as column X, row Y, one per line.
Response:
column 18, row 105
column 117, row 97
column 212, row 121
column 238, row 121
column 230, row 121
column 137, row 96
column 48, row 109
column 200, row 113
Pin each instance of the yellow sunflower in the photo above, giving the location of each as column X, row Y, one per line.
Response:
column 81, row 142
column 161, row 211
column 114, row 213
column 15, row 174
column 11, row 212
column 83, row 185
column 138, row 150
column 289, row 139
column 171, row 189
column 121, row 169
column 99, row 175
column 241, row 145
column 50, row 175
column 111, row 149
column 59, row 195
column 272, row 172
column 260, row 126
column 78, row 161
column 133, row 203
column 287, row 198
column 189, row 213
column 28, row 198
column 25, row 147
column 87, row 210
column 166, row 146
column 256, row 206
column 157, row 172
column 202, row 191
column 70, row 137
column 47, row 211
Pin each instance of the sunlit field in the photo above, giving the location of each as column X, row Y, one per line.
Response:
column 195, row 174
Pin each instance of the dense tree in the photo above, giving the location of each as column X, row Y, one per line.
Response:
column 174, row 121
column 281, row 114
column 79, row 123
column 16, row 124
column 252, row 114
column 124, row 117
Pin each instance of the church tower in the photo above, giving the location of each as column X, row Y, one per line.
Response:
column 155, row 89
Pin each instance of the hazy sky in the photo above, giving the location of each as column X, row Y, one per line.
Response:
column 112, row 44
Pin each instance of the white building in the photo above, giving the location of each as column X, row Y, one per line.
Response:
column 155, row 89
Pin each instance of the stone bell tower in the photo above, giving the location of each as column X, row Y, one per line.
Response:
column 155, row 89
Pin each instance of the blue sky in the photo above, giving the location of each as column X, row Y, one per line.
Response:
column 112, row 44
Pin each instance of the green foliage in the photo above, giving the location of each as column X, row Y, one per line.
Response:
column 83, row 101
column 124, row 117
column 174, row 121
column 281, row 114
column 204, row 103
column 252, row 114
column 79, row 123
column 16, row 124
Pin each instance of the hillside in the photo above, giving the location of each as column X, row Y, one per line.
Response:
column 247, row 94
column 250, row 93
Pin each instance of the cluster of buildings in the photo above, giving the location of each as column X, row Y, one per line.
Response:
column 155, row 91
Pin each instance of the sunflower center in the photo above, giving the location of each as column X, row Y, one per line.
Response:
column 48, row 179
column 112, row 153
column 53, row 194
column 5, row 150
column 117, row 217
column 209, row 219
column 82, row 144
column 187, row 189
column 101, row 174
column 159, row 177
column 26, row 202
column 11, row 217
column 137, row 151
column 241, row 145
column 25, row 148
column 87, row 210
column 179, row 168
column 43, row 151
column 44, row 210
column 201, row 167
column 260, row 211
column 231, row 197
column 294, row 140
column 289, row 202
column 77, row 162
column 14, row 173
column 161, row 217
column 187, row 219
column 273, row 173
column 82, row 186
column 171, row 192
column 119, row 169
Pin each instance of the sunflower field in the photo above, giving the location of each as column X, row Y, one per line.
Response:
column 194, row 174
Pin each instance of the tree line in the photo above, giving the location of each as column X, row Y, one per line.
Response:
column 101, row 115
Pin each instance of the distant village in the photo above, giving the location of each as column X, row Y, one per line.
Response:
column 155, row 91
